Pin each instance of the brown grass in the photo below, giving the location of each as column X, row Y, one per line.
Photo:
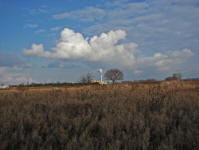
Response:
column 140, row 116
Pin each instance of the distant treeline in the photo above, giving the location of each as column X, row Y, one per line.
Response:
column 52, row 84
column 64, row 84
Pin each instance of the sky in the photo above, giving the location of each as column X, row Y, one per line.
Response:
column 60, row 41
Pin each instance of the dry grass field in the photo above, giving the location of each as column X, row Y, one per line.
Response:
column 134, row 116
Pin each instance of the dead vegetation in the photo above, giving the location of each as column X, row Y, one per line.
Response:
column 140, row 116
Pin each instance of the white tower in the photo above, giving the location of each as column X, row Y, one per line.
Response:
column 101, row 73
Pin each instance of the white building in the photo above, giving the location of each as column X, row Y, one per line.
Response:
column 4, row 86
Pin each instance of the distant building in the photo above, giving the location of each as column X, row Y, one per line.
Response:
column 176, row 76
column 99, row 82
column 2, row 86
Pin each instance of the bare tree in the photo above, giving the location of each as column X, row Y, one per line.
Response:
column 114, row 75
column 86, row 78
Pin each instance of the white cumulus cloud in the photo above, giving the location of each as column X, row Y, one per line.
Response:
column 37, row 50
column 103, row 48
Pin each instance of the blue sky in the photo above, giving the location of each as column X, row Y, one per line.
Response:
column 51, row 41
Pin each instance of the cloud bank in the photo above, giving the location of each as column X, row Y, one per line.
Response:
column 13, row 75
column 9, row 60
column 167, row 61
column 31, row 26
column 87, row 14
column 107, row 48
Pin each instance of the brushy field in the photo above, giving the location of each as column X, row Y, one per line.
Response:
column 134, row 116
